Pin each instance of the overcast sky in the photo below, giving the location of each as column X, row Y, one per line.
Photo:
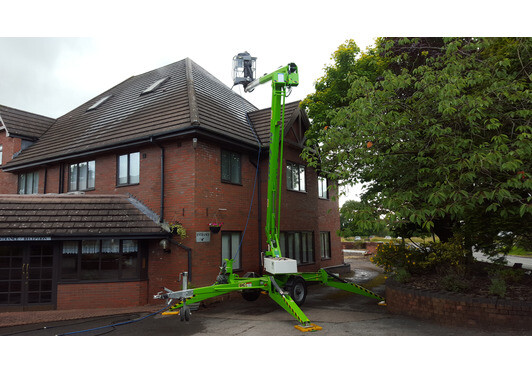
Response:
column 56, row 55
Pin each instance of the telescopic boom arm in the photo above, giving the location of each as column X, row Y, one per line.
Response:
column 281, row 79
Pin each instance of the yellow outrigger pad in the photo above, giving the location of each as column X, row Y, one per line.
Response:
column 171, row 313
column 310, row 328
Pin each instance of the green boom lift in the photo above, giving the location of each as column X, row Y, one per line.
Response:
column 283, row 283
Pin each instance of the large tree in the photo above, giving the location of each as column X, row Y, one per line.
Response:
column 440, row 130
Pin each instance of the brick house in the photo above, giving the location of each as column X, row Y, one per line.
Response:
column 86, row 197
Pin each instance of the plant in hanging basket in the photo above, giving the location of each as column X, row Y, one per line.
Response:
column 177, row 229
column 215, row 227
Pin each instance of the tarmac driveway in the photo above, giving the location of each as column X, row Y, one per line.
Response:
column 339, row 313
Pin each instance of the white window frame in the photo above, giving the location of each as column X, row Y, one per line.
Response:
column 295, row 177
column 89, row 182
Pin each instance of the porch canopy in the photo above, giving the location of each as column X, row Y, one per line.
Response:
column 67, row 216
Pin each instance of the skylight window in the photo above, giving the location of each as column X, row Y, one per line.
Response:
column 99, row 103
column 155, row 86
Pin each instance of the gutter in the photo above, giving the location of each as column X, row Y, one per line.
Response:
column 218, row 137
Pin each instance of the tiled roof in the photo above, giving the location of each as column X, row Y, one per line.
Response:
column 73, row 215
column 261, row 120
column 23, row 124
column 191, row 99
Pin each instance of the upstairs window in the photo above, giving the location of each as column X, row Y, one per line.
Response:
column 295, row 177
column 28, row 183
column 1, row 150
column 82, row 176
column 128, row 169
column 155, row 86
column 231, row 168
column 322, row 188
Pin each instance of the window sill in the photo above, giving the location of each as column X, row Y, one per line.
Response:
column 298, row 191
column 128, row 184
column 231, row 183
column 84, row 190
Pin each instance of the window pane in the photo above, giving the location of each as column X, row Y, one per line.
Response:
column 82, row 169
column 0, row 154
column 235, row 168
column 91, row 174
column 69, row 260
column 73, row 177
column 29, row 183
column 109, row 259
column 226, row 246
column 301, row 178
column 130, row 257
column 22, row 184
column 35, row 183
column 289, row 177
column 134, row 167
column 90, row 259
column 235, row 254
column 226, row 166
column 290, row 244
column 297, row 247
column 122, row 169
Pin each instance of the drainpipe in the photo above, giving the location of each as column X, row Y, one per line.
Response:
column 259, row 203
column 161, row 215
column 189, row 256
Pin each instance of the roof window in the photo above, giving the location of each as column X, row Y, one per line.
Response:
column 155, row 86
column 99, row 102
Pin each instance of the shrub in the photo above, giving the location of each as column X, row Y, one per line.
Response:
column 432, row 257
column 498, row 287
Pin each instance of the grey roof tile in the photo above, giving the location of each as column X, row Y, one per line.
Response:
column 119, row 217
column 24, row 124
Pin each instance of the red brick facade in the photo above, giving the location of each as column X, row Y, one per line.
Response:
column 186, row 127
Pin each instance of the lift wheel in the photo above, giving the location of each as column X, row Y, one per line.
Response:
column 308, row 328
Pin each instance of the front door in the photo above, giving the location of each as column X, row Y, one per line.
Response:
column 26, row 276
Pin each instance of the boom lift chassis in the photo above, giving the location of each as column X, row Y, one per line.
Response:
column 284, row 285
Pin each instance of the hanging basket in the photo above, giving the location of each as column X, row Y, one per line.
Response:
column 215, row 229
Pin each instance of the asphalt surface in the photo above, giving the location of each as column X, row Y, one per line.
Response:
column 339, row 313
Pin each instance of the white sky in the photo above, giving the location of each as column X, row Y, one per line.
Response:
column 71, row 51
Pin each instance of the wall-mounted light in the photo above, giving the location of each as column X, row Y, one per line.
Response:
column 194, row 142
column 165, row 245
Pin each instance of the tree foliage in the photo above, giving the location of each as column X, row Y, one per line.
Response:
column 441, row 130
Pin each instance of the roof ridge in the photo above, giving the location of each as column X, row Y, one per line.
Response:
column 192, row 102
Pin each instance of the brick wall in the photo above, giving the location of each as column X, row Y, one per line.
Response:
column 101, row 295
column 8, row 181
column 195, row 196
column 457, row 310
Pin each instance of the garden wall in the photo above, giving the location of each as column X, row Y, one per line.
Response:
column 456, row 309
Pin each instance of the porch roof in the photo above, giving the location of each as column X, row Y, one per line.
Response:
column 69, row 216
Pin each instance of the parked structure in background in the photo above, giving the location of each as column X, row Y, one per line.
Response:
column 89, row 198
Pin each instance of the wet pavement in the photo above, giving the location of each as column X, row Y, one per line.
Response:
column 340, row 313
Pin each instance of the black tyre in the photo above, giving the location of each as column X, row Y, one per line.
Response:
column 297, row 288
column 251, row 294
